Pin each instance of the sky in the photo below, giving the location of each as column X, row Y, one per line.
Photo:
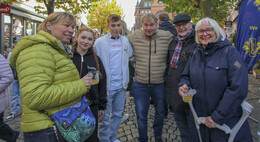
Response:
column 128, row 7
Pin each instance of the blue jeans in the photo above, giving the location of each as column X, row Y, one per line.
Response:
column 6, row 133
column 142, row 94
column 45, row 135
column 16, row 93
column 181, row 117
column 109, row 124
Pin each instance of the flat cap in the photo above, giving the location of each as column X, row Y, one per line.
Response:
column 181, row 18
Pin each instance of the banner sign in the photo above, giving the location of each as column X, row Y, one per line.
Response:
column 248, row 32
column 5, row 8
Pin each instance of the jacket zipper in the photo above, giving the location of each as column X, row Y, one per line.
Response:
column 82, row 60
column 149, row 68
column 155, row 46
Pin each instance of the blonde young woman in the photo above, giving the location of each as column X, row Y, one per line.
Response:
column 86, row 59
column 49, row 81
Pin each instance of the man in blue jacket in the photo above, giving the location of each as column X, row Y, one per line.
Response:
column 165, row 24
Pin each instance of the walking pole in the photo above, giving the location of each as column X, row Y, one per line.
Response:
column 195, row 116
column 247, row 109
column 188, row 99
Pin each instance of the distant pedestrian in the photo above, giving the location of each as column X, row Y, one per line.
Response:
column 15, row 91
column 49, row 80
column 86, row 60
column 6, row 78
column 114, row 51
column 179, row 52
column 165, row 24
column 218, row 73
column 150, row 48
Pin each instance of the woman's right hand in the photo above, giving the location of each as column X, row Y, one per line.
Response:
column 88, row 81
column 183, row 89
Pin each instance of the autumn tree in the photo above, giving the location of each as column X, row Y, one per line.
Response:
column 71, row 6
column 198, row 9
column 97, row 17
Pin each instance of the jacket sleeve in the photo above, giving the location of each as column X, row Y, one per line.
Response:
column 36, row 70
column 6, row 75
column 237, row 88
column 131, row 38
column 131, row 52
column 185, row 76
column 102, row 87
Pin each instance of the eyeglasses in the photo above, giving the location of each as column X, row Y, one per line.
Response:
column 207, row 31
column 181, row 24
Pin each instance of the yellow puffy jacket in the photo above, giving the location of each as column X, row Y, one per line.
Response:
column 48, row 79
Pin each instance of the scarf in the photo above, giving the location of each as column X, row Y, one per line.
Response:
column 67, row 49
column 177, row 51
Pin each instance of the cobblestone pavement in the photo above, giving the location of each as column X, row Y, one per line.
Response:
column 128, row 132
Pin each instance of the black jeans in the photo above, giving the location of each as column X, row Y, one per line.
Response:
column 94, row 136
column 6, row 133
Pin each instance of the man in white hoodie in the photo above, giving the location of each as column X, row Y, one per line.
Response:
column 114, row 51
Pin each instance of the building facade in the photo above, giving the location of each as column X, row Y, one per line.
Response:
column 16, row 24
column 148, row 6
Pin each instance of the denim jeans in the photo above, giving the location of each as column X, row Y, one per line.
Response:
column 16, row 93
column 142, row 94
column 181, row 117
column 109, row 124
column 6, row 133
column 45, row 135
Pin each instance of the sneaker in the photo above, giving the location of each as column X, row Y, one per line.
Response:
column 116, row 140
column 10, row 117
column 125, row 117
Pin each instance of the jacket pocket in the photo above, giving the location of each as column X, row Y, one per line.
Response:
column 216, row 69
column 218, row 65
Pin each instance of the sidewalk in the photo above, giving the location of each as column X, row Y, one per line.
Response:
column 128, row 132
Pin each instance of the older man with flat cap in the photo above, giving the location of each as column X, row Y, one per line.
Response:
column 179, row 51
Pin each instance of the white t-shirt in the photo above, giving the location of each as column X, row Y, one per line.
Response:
column 115, row 59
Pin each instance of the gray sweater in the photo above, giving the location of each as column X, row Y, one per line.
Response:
column 6, row 78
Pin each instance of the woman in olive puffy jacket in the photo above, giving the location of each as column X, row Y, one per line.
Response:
column 49, row 80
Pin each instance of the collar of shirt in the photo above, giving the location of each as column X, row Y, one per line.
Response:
column 113, row 37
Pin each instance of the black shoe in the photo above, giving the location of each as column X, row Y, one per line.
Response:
column 158, row 139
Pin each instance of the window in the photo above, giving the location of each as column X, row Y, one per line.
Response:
column 17, row 26
column 145, row 4
column 142, row 11
column 29, row 27
column 150, row 3
column 160, row 2
column 7, row 32
column 145, row 11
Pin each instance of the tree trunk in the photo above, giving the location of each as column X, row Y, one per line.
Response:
column 50, row 6
column 101, row 31
column 206, row 8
